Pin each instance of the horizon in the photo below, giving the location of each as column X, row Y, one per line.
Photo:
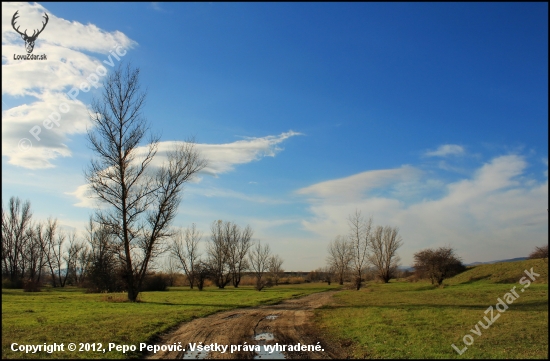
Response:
column 431, row 117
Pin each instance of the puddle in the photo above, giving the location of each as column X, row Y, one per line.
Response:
column 271, row 317
column 264, row 353
column 235, row 315
column 264, row 336
column 194, row 355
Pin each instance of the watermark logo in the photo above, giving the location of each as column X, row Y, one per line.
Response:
column 500, row 306
column 93, row 80
column 29, row 40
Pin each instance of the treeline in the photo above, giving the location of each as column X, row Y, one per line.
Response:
column 35, row 253
column 230, row 253
column 370, row 252
column 366, row 249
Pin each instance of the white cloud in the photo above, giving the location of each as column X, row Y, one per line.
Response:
column 445, row 150
column 221, row 158
column 497, row 213
column 48, row 81
column 355, row 186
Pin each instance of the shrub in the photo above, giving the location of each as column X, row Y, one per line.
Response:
column 32, row 286
column 156, row 282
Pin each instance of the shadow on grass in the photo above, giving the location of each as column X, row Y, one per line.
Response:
column 536, row 305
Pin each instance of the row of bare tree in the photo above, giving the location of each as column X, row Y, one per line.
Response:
column 32, row 250
column 229, row 254
column 364, row 246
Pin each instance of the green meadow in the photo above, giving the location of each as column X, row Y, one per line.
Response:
column 70, row 315
column 400, row 319
column 418, row 320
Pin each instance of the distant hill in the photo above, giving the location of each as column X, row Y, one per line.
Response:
column 503, row 272
column 499, row 261
column 406, row 268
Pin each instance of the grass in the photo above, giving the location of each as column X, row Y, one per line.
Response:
column 418, row 320
column 506, row 272
column 70, row 315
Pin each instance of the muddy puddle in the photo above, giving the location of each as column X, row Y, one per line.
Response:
column 265, row 353
column 195, row 355
column 271, row 317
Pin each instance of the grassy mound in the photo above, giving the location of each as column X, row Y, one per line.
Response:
column 505, row 272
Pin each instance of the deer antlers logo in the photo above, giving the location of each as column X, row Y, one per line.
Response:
column 29, row 40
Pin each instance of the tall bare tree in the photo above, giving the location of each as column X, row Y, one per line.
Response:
column 384, row 244
column 275, row 268
column 140, row 203
column 218, row 255
column 259, row 262
column 184, row 247
column 16, row 232
column 339, row 257
column 359, row 235
column 70, row 257
column 238, row 243
column 104, row 264
column 51, row 241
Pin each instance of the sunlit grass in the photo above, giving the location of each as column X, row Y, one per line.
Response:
column 418, row 320
column 70, row 315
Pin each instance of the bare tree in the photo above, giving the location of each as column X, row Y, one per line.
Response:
column 185, row 249
column 437, row 264
column 51, row 243
column 384, row 244
column 71, row 259
column 259, row 262
column 238, row 244
column 16, row 232
column 82, row 264
column 359, row 236
column 202, row 272
column 34, row 257
column 104, row 263
column 140, row 203
column 275, row 269
column 218, row 254
column 540, row 252
column 339, row 258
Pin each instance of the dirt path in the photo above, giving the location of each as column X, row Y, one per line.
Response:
column 287, row 323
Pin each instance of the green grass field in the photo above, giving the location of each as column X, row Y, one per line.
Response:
column 70, row 315
column 417, row 320
column 395, row 320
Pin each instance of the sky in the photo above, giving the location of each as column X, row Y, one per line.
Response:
column 430, row 117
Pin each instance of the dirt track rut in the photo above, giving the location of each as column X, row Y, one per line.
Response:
column 288, row 321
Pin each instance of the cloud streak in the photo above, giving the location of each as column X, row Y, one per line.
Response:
column 446, row 150
column 221, row 158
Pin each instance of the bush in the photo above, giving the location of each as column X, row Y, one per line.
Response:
column 539, row 252
column 32, row 286
column 156, row 282
column 7, row 283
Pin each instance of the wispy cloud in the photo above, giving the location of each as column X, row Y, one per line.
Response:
column 446, row 150
column 156, row 6
column 356, row 186
column 221, row 158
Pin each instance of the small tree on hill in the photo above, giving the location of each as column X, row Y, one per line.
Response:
column 437, row 264
column 540, row 252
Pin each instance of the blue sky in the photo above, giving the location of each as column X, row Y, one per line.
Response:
column 432, row 117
